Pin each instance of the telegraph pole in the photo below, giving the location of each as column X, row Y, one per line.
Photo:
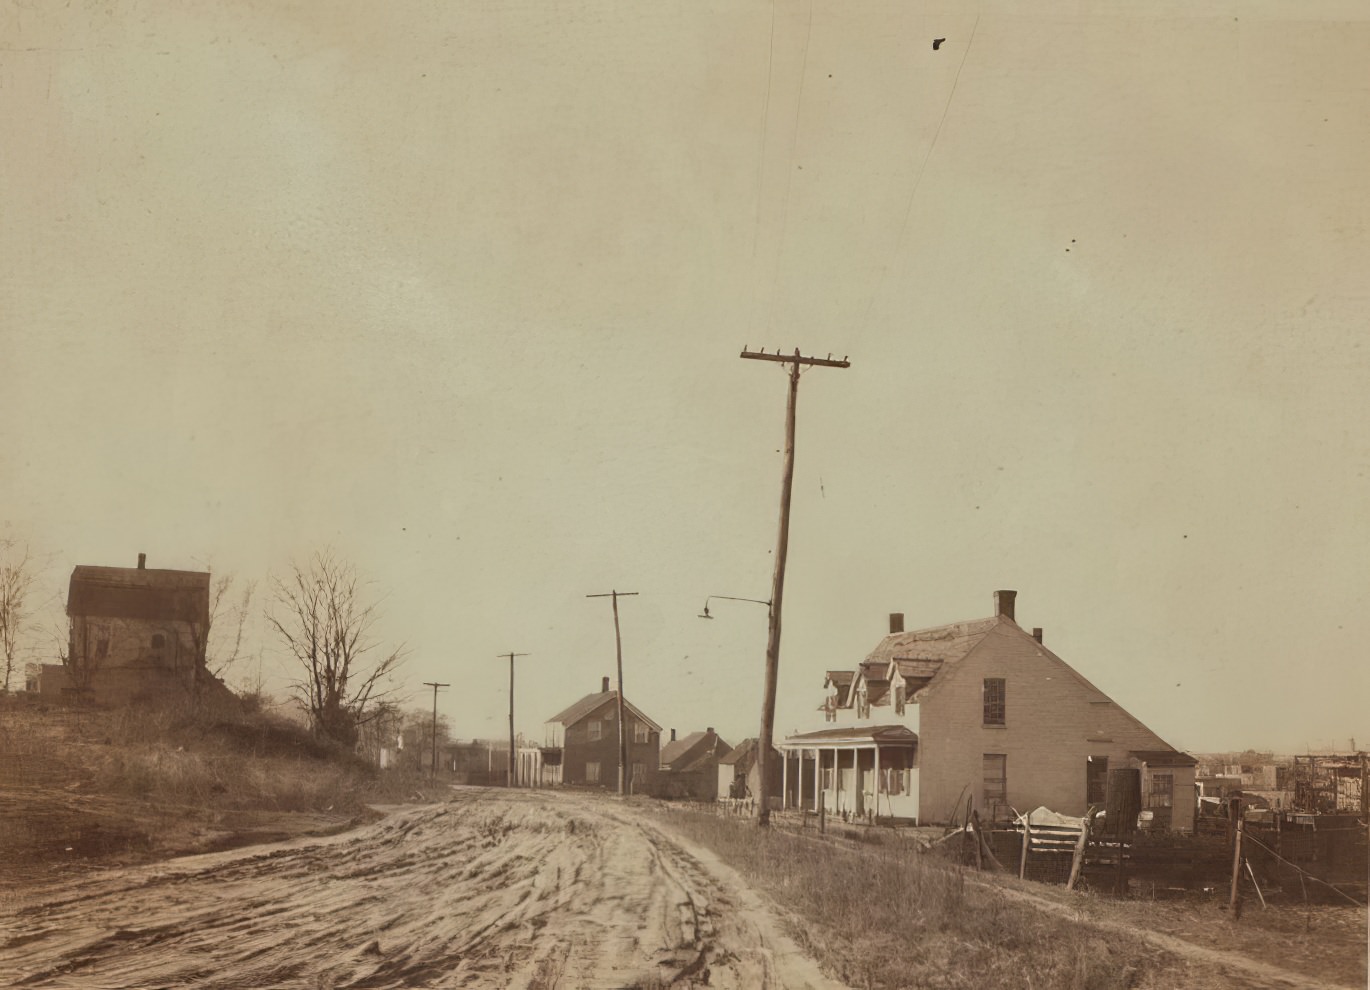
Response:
column 435, row 687
column 794, row 363
column 618, row 646
column 510, row 781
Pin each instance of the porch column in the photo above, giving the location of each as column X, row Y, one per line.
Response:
column 799, row 783
column 785, row 781
column 817, row 778
column 877, row 780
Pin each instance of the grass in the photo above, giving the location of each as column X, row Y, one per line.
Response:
column 146, row 782
column 882, row 915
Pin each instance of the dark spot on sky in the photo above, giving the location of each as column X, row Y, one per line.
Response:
column 937, row 43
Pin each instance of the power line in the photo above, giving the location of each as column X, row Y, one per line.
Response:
column 763, row 749
column 618, row 647
column 510, row 780
column 435, row 687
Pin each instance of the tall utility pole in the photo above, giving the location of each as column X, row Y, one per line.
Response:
column 509, row 782
column 763, row 749
column 618, row 647
column 435, row 687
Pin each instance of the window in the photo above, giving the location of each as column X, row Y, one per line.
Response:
column 827, row 778
column 157, row 654
column 995, row 793
column 994, row 700
column 640, row 733
column 1096, row 780
column 596, row 729
column 899, row 700
column 639, row 774
column 863, row 705
column 1162, row 791
column 592, row 769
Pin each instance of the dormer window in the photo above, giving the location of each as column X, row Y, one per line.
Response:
column 899, row 699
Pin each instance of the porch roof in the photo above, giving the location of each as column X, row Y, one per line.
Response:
column 853, row 737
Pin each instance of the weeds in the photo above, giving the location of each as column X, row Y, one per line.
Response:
column 882, row 916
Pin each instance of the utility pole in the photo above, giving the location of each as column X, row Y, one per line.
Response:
column 618, row 647
column 510, row 781
column 435, row 687
column 763, row 751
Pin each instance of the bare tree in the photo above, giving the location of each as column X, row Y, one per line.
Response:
column 17, row 575
column 219, row 646
column 320, row 614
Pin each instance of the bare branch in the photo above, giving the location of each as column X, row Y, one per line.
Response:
column 318, row 613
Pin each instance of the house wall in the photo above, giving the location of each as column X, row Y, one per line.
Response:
column 124, row 665
column 579, row 750
column 1054, row 721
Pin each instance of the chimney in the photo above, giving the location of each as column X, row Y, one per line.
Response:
column 1003, row 603
column 710, row 731
column 896, row 622
column 604, row 686
column 1037, row 633
column 673, row 735
column 142, row 561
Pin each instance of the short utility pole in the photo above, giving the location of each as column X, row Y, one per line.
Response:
column 794, row 363
column 618, row 647
column 435, row 687
column 510, row 781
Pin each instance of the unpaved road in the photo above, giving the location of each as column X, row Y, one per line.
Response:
column 495, row 889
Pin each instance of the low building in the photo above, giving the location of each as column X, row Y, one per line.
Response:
column 739, row 776
column 689, row 766
column 583, row 742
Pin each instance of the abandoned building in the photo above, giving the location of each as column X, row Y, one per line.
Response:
column 136, row 634
column 977, row 712
column 689, row 766
column 583, row 742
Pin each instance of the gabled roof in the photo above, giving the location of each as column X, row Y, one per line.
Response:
column 743, row 754
column 1163, row 758
column 138, row 593
column 840, row 680
column 936, row 645
column 697, row 747
column 589, row 704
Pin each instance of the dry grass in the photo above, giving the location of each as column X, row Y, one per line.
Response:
column 880, row 915
column 147, row 782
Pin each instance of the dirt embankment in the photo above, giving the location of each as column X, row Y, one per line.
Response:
column 496, row 889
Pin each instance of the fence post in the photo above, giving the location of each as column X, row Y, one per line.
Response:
column 1077, row 861
column 1027, row 841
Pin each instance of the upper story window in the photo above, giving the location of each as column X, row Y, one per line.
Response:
column 899, row 700
column 596, row 728
column 995, row 695
column 863, row 704
column 641, row 734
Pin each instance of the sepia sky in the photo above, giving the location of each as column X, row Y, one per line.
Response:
column 459, row 290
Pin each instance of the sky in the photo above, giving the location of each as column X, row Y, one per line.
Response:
column 458, row 290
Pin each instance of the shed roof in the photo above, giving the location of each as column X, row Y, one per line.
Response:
column 854, row 734
column 1163, row 757
column 138, row 593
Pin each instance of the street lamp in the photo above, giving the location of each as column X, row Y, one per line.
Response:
column 705, row 614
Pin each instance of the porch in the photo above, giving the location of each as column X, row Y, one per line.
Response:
column 865, row 771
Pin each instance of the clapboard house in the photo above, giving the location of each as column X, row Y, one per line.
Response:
column 981, row 714
column 583, row 741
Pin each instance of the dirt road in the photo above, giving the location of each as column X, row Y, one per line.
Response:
column 496, row 889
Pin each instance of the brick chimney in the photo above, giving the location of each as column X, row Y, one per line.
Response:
column 1037, row 633
column 896, row 622
column 604, row 686
column 710, row 730
column 1003, row 603
column 142, row 561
